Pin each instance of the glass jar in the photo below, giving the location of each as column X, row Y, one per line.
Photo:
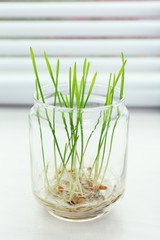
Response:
column 78, row 156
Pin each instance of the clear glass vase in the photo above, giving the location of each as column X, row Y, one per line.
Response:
column 78, row 156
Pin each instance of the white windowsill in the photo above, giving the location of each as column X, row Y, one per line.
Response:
column 136, row 217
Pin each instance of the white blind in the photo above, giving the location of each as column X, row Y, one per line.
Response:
column 99, row 30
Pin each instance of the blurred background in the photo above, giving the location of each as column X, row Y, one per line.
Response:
column 98, row 30
column 72, row 30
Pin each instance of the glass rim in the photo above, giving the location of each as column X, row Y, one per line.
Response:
column 75, row 109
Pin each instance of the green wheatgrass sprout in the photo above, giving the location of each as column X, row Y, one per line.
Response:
column 75, row 171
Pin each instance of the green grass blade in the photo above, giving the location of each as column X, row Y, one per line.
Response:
column 57, row 73
column 109, row 97
column 109, row 83
column 70, row 86
column 37, row 94
column 90, row 90
column 87, row 71
column 81, row 85
column 122, row 79
column 65, row 151
column 72, row 149
column 113, row 88
column 67, row 102
column 119, row 74
column 110, row 148
column 63, row 99
column 49, row 69
column 57, row 70
column 84, row 66
column 36, row 73
column 77, row 94
column 73, row 85
column 85, row 75
column 81, row 90
column 52, row 77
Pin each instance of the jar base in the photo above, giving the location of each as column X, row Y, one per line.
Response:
column 84, row 215
column 85, row 219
